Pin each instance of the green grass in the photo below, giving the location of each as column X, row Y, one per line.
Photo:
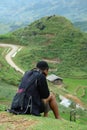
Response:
column 29, row 122
column 84, row 97
column 6, row 95
column 54, row 38
column 7, row 92
column 7, row 73
column 72, row 84
column 77, row 87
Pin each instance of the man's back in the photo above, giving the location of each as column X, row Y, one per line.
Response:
column 27, row 94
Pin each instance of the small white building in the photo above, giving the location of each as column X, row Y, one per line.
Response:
column 55, row 79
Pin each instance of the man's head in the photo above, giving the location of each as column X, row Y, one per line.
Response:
column 43, row 66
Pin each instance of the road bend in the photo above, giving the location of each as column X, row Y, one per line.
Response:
column 14, row 49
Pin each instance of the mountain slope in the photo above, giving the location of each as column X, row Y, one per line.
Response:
column 57, row 41
column 18, row 13
column 36, row 123
column 53, row 37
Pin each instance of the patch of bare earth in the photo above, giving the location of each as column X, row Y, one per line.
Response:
column 48, row 35
column 15, row 122
column 53, row 60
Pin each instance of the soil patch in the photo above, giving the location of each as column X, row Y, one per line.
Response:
column 15, row 122
column 53, row 60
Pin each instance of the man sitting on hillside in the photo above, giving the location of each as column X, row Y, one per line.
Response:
column 41, row 98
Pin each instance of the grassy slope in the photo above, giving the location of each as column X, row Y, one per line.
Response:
column 7, row 73
column 55, row 38
column 7, row 91
column 36, row 123
column 50, row 38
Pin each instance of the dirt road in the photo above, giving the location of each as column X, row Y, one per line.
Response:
column 14, row 49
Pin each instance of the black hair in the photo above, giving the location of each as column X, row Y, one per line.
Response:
column 42, row 65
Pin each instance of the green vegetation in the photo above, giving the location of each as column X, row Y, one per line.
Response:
column 56, row 40
column 52, row 38
column 6, row 91
column 38, row 123
column 77, row 87
column 34, row 123
column 7, row 73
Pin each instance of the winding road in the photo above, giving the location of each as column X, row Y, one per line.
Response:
column 13, row 50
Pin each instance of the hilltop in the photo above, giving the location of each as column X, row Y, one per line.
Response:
column 53, row 38
column 19, row 13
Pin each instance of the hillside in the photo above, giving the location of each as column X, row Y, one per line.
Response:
column 28, row 122
column 18, row 13
column 52, row 38
column 57, row 41
column 7, row 73
column 37, row 123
